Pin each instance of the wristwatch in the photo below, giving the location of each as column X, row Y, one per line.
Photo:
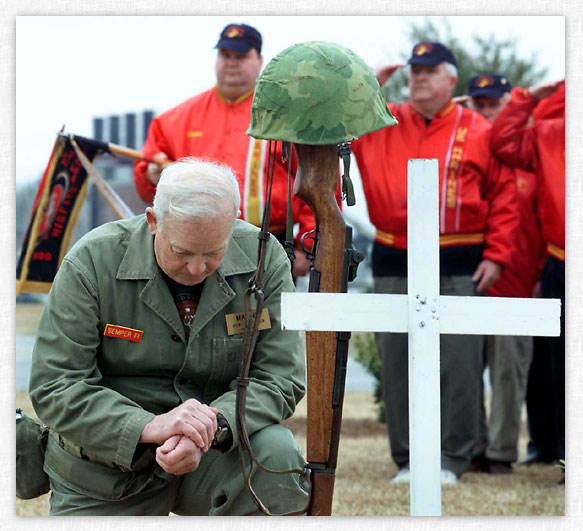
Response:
column 222, row 435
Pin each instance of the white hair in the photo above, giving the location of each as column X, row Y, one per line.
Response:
column 197, row 190
column 451, row 69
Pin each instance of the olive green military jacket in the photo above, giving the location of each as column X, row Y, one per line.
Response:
column 98, row 392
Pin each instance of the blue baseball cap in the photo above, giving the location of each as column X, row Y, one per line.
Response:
column 431, row 54
column 240, row 38
column 490, row 85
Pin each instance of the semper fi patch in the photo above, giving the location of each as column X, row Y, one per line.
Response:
column 121, row 332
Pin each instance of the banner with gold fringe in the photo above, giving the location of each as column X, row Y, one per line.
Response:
column 54, row 215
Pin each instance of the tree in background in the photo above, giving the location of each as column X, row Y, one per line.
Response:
column 480, row 56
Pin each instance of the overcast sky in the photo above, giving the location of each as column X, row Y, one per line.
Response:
column 70, row 69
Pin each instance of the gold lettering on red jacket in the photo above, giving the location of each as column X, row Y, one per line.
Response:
column 453, row 173
column 253, row 208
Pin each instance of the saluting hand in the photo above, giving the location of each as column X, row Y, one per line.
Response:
column 461, row 99
column 385, row 72
column 544, row 90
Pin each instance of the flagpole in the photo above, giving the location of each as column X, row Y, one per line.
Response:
column 118, row 205
column 128, row 153
column 115, row 149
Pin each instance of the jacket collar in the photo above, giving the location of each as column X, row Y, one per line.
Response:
column 235, row 260
column 240, row 99
column 444, row 111
column 139, row 262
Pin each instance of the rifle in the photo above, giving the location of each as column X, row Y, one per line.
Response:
column 333, row 265
column 320, row 96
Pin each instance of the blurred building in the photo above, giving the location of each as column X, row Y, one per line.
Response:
column 127, row 130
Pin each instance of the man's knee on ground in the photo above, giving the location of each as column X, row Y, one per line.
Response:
column 275, row 448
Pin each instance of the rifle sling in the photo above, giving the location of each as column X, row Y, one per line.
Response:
column 250, row 336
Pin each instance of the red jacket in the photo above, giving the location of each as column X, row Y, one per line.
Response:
column 211, row 127
column 539, row 148
column 521, row 272
column 551, row 107
column 477, row 193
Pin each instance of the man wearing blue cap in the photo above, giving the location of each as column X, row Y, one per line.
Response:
column 540, row 148
column 197, row 126
column 477, row 216
column 508, row 357
column 213, row 125
column 489, row 94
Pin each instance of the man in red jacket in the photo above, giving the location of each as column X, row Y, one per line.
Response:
column 508, row 357
column 477, row 217
column 213, row 125
column 541, row 148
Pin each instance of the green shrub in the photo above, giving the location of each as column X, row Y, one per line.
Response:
column 368, row 356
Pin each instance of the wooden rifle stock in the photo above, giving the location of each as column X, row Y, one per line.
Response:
column 316, row 182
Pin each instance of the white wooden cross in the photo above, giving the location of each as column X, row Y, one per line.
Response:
column 424, row 315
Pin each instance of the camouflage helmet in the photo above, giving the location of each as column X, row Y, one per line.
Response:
column 317, row 93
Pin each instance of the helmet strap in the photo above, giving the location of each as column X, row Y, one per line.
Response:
column 289, row 224
column 347, row 188
column 247, row 457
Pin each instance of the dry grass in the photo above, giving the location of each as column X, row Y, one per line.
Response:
column 27, row 318
column 363, row 486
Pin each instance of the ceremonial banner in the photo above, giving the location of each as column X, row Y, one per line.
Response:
column 54, row 215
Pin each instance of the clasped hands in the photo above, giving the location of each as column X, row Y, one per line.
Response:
column 183, row 434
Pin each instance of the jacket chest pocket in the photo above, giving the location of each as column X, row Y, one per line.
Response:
column 149, row 351
column 225, row 364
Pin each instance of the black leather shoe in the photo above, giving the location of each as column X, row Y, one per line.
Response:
column 500, row 467
column 535, row 458
column 479, row 463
